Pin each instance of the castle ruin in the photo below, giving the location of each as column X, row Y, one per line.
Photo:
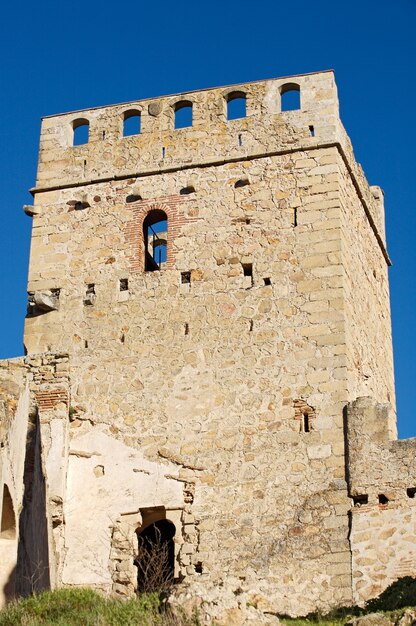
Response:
column 208, row 356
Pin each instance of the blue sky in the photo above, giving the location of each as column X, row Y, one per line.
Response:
column 60, row 57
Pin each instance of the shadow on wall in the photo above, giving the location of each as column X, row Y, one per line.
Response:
column 32, row 570
column 9, row 592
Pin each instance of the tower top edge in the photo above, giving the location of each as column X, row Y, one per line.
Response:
column 184, row 93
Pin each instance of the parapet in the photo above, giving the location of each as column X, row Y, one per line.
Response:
column 211, row 137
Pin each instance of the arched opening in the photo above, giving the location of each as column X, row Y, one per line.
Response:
column 155, row 559
column 183, row 114
column 81, row 131
column 236, row 105
column 8, row 520
column 155, row 234
column 131, row 123
column 290, row 97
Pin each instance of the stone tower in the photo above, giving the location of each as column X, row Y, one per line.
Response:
column 207, row 297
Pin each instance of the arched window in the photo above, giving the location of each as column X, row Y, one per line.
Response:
column 236, row 105
column 155, row 559
column 183, row 114
column 81, row 131
column 290, row 97
column 131, row 123
column 155, row 235
column 8, row 520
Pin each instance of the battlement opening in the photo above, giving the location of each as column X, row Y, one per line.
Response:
column 183, row 114
column 290, row 97
column 236, row 105
column 80, row 130
column 131, row 123
column 8, row 520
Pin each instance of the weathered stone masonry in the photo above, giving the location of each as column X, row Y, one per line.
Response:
column 215, row 393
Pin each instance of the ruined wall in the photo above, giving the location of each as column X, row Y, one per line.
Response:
column 14, row 403
column 382, row 481
column 212, row 391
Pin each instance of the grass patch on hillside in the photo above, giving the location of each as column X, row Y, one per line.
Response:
column 85, row 607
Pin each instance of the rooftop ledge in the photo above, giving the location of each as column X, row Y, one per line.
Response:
column 184, row 93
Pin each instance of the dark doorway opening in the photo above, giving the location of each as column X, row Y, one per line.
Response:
column 155, row 559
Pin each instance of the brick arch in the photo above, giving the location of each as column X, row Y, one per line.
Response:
column 134, row 228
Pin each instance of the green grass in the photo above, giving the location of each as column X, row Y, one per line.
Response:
column 85, row 607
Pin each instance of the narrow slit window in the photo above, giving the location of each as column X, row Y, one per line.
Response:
column 186, row 329
column 290, row 97
column 131, row 123
column 306, row 425
column 312, row 131
column 236, row 105
column 89, row 297
column 124, row 284
column 295, row 217
column 183, row 114
column 80, row 132
column 155, row 233
column 248, row 271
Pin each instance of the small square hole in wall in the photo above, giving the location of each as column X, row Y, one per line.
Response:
column 411, row 492
column 267, row 281
column 124, row 284
column 185, row 278
column 198, row 567
column 382, row 499
column 360, row 500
